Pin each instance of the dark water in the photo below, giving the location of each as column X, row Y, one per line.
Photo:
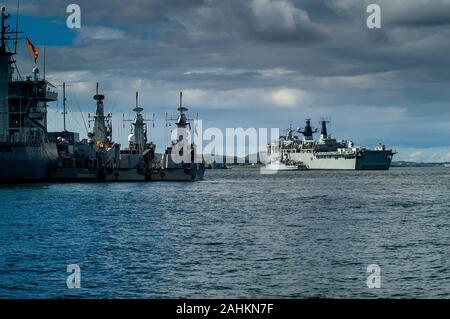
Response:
column 236, row 234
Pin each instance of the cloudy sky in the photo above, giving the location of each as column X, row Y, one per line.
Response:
column 256, row 63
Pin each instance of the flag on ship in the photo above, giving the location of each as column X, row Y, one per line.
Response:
column 34, row 50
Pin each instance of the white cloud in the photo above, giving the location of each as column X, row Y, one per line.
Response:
column 390, row 79
column 100, row 33
column 249, row 98
column 416, row 155
column 276, row 72
column 425, row 155
column 216, row 71
column 288, row 97
column 447, row 157
column 278, row 14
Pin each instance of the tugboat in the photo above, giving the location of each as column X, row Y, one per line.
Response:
column 285, row 165
column 26, row 154
column 279, row 161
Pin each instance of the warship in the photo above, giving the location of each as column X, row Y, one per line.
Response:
column 94, row 158
column 141, row 162
column 180, row 160
column 29, row 153
column 99, row 159
column 136, row 162
column 327, row 153
column 26, row 153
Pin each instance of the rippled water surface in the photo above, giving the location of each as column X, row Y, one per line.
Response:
column 235, row 234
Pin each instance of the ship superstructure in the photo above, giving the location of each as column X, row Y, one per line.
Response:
column 26, row 154
column 327, row 152
column 102, row 131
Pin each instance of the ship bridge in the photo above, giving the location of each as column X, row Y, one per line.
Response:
column 38, row 90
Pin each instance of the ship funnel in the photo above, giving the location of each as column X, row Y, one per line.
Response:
column 323, row 129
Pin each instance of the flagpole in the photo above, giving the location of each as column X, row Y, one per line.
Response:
column 17, row 26
column 45, row 47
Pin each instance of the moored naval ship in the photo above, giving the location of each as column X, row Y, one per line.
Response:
column 327, row 152
column 92, row 159
column 99, row 159
column 136, row 161
column 180, row 161
column 25, row 151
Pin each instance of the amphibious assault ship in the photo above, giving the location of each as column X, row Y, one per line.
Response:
column 25, row 151
column 327, row 152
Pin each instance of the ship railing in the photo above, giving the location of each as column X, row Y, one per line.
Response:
column 335, row 154
column 20, row 139
column 45, row 93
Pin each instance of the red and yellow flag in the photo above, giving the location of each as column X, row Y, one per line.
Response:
column 33, row 50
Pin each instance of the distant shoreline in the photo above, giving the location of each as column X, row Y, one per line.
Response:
column 416, row 164
column 394, row 164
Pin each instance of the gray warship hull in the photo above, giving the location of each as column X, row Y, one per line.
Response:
column 369, row 160
column 194, row 172
column 21, row 163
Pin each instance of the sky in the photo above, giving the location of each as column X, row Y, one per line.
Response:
column 255, row 63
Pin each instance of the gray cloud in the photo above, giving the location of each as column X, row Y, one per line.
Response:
column 321, row 49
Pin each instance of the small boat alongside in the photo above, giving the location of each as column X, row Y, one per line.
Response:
column 289, row 166
column 277, row 163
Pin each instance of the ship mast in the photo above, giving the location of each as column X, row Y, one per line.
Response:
column 3, row 39
column 6, row 31
column 64, row 105
column 308, row 132
column 101, row 122
column 5, row 79
column 182, row 120
column 138, row 137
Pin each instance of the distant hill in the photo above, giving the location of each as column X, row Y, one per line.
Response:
column 230, row 160
column 234, row 159
column 415, row 164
